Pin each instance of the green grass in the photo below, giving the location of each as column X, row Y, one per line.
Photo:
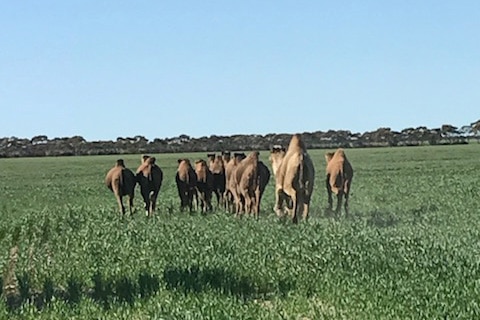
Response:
column 410, row 249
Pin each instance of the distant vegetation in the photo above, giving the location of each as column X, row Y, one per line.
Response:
column 41, row 145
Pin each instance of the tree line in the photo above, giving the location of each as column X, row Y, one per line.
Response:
column 41, row 145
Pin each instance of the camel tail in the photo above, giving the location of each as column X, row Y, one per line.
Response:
column 301, row 179
column 339, row 180
column 122, row 178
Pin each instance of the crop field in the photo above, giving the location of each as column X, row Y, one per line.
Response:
column 410, row 248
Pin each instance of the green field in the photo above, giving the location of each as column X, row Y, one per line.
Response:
column 409, row 250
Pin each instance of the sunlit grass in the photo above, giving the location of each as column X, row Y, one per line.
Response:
column 409, row 250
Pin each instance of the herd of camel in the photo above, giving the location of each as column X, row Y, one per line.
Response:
column 238, row 181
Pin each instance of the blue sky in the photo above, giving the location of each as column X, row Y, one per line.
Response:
column 108, row 69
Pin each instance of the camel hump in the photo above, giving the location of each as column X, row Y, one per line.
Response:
column 120, row 163
column 340, row 152
column 296, row 142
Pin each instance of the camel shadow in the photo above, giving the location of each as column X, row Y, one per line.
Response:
column 382, row 219
column 195, row 279
column 105, row 291
column 126, row 290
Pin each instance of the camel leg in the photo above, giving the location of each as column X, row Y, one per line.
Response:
column 221, row 200
column 120, row 203
column 150, row 205
column 300, row 206
column 347, row 193
column 346, row 204
column 208, row 198
column 279, row 198
column 200, row 201
column 147, row 206
column 231, row 203
column 130, row 204
column 195, row 199
column 154, row 201
column 226, row 203
column 329, row 193
column 192, row 194
column 217, row 195
column 248, row 204
column 253, row 204
column 182, row 200
column 294, row 210
column 185, row 200
column 227, row 200
column 339, row 202
column 305, row 211
column 306, row 205
column 237, row 203
column 203, row 202
column 240, row 205
column 146, row 199
column 292, row 203
column 257, row 203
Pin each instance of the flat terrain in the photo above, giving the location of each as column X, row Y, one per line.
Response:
column 409, row 250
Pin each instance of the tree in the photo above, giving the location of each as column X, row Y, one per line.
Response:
column 39, row 139
column 448, row 130
column 476, row 127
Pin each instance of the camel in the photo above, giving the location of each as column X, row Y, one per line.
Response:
column 294, row 180
column 204, row 185
column 250, row 178
column 226, row 156
column 276, row 156
column 217, row 168
column 245, row 178
column 150, row 178
column 264, row 177
column 121, row 181
column 230, row 183
column 186, row 181
column 339, row 179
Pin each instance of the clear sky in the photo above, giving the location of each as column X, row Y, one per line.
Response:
column 108, row 69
